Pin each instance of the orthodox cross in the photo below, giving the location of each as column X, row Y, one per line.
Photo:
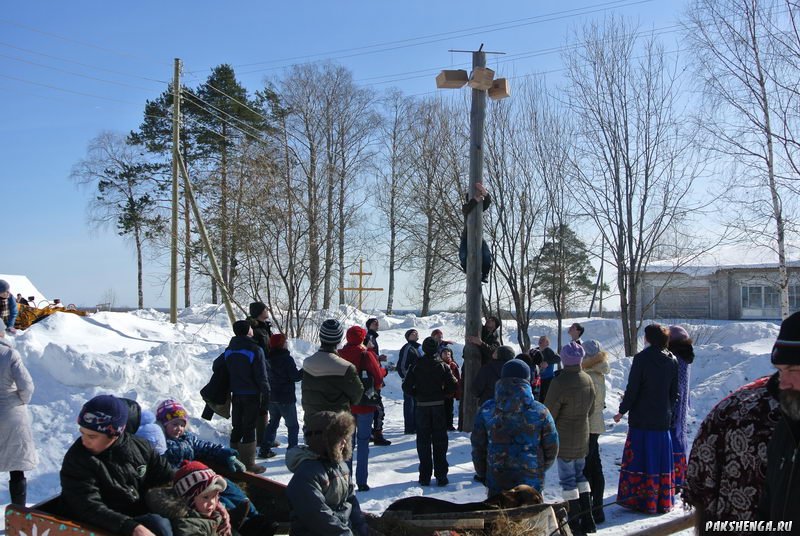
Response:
column 361, row 288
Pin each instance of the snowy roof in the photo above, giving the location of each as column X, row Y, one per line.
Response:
column 730, row 257
column 22, row 285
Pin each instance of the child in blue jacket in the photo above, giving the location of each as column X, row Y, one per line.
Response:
column 183, row 445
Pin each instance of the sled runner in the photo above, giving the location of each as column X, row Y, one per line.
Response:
column 48, row 518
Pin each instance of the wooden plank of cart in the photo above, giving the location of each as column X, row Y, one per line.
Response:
column 545, row 519
column 267, row 495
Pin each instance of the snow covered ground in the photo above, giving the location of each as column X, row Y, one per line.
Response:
column 140, row 355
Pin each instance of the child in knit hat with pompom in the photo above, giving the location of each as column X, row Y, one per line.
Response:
column 185, row 446
column 193, row 503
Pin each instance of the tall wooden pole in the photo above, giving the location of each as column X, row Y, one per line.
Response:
column 176, row 130
column 472, row 355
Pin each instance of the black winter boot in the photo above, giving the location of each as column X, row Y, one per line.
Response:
column 18, row 490
column 259, row 525
column 587, row 521
column 575, row 518
column 597, row 501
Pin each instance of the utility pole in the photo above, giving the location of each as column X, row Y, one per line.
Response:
column 481, row 81
column 472, row 354
column 176, row 130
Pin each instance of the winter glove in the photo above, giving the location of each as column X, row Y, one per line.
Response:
column 234, row 465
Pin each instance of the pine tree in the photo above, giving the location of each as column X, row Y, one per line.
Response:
column 566, row 276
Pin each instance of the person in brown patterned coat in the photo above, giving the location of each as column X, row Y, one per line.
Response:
column 727, row 465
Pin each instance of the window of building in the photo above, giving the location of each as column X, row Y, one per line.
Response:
column 768, row 297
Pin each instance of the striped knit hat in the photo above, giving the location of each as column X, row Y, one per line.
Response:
column 331, row 332
column 787, row 348
column 194, row 478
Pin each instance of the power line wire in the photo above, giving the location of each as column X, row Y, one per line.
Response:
column 531, row 54
column 67, row 90
column 122, row 84
column 59, row 58
column 465, row 32
column 71, row 40
column 253, row 133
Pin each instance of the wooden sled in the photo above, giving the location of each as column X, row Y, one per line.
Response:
column 48, row 518
column 537, row 519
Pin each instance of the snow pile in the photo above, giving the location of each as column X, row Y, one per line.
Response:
column 140, row 355
column 20, row 284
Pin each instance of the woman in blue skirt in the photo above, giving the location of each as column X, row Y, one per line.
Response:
column 680, row 344
column 647, row 476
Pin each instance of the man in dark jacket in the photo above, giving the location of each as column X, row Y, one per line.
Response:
column 550, row 360
column 483, row 197
column 371, row 342
column 429, row 382
column 409, row 355
column 262, row 328
column 782, row 492
column 249, row 382
column 488, row 341
column 262, row 331
column 107, row 472
column 483, row 385
column 283, row 374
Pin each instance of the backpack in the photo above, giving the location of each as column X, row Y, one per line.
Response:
column 371, row 397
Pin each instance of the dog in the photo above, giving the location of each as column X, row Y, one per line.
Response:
column 521, row 495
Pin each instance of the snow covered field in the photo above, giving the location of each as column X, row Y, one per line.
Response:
column 140, row 355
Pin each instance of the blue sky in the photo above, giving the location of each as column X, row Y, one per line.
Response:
column 121, row 52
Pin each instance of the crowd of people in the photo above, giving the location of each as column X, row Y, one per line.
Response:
column 142, row 472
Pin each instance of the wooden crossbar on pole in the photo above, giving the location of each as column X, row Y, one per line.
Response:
column 361, row 288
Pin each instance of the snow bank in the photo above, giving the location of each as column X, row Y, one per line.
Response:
column 140, row 355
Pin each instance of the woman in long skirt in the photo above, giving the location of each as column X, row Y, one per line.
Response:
column 680, row 344
column 647, row 476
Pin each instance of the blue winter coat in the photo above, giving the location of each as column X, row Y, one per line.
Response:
column 247, row 367
column 12, row 312
column 514, row 438
column 283, row 374
column 190, row 447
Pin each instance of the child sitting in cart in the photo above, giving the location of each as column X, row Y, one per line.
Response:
column 107, row 472
column 193, row 503
column 186, row 446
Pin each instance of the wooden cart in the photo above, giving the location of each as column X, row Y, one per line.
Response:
column 48, row 518
column 538, row 519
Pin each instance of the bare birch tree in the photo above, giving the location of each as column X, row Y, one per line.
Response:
column 635, row 161
column 747, row 76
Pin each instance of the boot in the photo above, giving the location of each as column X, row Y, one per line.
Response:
column 18, row 490
column 258, row 525
column 261, row 424
column 597, row 512
column 575, row 517
column 379, row 440
column 248, row 453
column 587, row 521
